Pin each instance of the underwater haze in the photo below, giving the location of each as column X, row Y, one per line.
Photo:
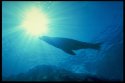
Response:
column 86, row 21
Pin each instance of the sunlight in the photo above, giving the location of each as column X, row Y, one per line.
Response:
column 35, row 22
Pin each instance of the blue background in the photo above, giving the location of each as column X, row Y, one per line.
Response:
column 81, row 20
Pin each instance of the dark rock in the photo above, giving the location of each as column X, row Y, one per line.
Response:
column 51, row 73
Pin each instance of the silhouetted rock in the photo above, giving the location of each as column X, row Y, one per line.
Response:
column 51, row 73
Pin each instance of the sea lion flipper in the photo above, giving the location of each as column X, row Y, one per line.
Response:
column 69, row 52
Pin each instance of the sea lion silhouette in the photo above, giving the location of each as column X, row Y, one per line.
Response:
column 68, row 45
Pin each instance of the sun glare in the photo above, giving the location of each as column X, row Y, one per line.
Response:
column 35, row 22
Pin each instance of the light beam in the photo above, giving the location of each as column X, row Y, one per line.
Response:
column 35, row 22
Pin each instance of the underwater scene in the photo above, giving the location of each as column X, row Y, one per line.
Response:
column 62, row 41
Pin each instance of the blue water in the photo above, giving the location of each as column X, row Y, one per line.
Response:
column 81, row 20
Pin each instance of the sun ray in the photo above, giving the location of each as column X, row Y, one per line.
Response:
column 35, row 22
